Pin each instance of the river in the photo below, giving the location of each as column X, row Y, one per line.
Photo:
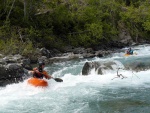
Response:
column 84, row 94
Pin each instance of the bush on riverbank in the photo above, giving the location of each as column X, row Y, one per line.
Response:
column 25, row 25
column 14, row 46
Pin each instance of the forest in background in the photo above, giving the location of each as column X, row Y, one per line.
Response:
column 28, row 24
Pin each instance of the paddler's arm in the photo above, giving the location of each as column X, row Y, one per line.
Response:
column 31, row 72
column 46, row 75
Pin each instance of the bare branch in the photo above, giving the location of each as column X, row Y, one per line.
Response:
column 119, row 75
column 10, row 10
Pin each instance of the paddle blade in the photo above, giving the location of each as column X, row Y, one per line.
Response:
column 58, row 79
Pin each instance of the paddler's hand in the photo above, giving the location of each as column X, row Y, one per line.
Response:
column 48, row 77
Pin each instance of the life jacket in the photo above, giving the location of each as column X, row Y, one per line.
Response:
column 130, row 51
column 37, row 74
column 40, row 74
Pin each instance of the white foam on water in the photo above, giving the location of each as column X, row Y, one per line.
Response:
column 72, row 87
column 74, row 94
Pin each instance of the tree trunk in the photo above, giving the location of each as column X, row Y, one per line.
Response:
column 10, row 10
column 25, row 9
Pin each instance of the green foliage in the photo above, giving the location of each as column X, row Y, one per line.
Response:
column 62, row 20
column 5, row 30
column 54, row 23
column 14, row 46
column 95, row 30
column 137, row 19
column 146, row 25
column 27, row 49
column 145, row 17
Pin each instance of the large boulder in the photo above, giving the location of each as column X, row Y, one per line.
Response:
column 99, row 67
column 88, row 66
column 11, row 59
column 133, row 63
column 12, row 73
column 26, row 63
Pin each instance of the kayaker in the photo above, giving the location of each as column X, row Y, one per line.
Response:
column 39, row 72
column 130, row 51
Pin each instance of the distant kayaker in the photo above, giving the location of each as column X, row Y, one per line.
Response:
column 129, row 51
column 39, row 72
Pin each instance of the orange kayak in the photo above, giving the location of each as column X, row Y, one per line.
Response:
column 129, row 54
column 37, row 82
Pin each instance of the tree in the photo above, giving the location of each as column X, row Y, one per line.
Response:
column 10, row 10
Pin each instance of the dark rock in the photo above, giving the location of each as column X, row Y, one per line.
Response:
column 45, row 52
column 26, row 64
column 11, row 73
column 98, row 66
column 79, row 50
column 88, row 66
column 88, row 55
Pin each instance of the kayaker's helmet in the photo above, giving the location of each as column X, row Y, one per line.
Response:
column 40, row 68
column 129, row 49
column 41, row 63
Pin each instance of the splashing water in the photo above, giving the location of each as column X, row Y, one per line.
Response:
column 83, row 94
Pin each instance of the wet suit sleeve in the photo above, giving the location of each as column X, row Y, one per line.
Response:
column 34, row 71
column 46, row 75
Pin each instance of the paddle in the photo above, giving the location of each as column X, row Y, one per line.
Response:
column 57, row 79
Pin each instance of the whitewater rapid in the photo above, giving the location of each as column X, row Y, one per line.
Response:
column 82, row 94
